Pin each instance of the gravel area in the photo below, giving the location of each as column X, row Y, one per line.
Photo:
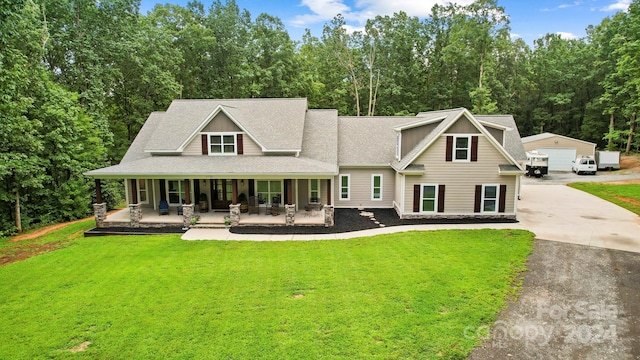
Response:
column 577, row 302
column 565, row 177
column 347, row 220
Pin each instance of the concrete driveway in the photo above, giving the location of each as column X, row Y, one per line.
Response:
column 561, row 213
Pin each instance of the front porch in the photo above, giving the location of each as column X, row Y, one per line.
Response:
column 151, row 218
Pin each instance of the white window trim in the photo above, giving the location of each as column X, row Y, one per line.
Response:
column 269, row 198
column 455, row 141
column 435, row 199
column 146, row 190
column 497, row 186
column 319, row 189
column 180, row 190
column 398, row 146
column 222, row 134
column 373, row 176
column 348, row 176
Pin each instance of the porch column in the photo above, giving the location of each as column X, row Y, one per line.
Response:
column 234, row 191
column 289, row 188
column 98, row 192
column 134, row 191
column 328, row 216
column 328, row 191
column 187, row 192
column 100, row 213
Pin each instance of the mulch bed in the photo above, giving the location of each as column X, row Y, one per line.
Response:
column 133, row 231
column 347, row 220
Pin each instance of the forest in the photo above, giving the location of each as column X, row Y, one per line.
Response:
column 78, row 78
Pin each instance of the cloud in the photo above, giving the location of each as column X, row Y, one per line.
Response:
column 515, row 36
column 619, row 5
column 567, row 35
column 362, row 10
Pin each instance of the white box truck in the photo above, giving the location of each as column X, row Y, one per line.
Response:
column 608, row 160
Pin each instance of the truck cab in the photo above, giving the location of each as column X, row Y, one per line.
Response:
column 584, row 165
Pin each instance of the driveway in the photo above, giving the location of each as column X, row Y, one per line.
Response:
column 560, row 213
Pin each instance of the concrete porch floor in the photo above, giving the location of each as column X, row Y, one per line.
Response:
column 151, row 217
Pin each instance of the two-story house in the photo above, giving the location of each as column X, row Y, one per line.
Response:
column 450, row 163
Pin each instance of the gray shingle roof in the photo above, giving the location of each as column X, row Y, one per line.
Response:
column 136, row 150
column 276, row 124
column 512, row 141
column 321, row 136
column 204, row 166
column 367, row 140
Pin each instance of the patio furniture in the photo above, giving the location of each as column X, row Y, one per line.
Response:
column 163, row 208
column 275, row 209
column 254, row 207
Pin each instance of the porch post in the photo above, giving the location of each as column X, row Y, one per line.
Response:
column 187, row 192
column 328, row 191
column 289, row 185
column 98, row 192
column 234, row 191
column 134, row 191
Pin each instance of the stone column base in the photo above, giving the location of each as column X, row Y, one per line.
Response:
column 135, row 214
column 100, row 213
column 290, row 215
column 328, row 216
column 187, row 215
column 234, row 214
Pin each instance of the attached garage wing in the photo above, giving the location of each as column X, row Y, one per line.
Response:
column 559, row 159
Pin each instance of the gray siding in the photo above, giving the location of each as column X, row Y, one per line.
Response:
column 462, row 126
column 360, row 195
column 221, row 123
column 460, row 178
column 411, row 137
column 497, row 134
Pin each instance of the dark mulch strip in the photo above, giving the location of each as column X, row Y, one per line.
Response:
column 347, row 220
column 133, row 231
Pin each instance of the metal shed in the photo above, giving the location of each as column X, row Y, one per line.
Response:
column 562, row 150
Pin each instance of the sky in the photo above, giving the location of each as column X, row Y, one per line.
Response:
column 529, row 20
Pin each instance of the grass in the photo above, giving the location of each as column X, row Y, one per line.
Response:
column 407, row 295
column 624, row 195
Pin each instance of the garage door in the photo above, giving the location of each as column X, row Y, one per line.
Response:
column 559, row 159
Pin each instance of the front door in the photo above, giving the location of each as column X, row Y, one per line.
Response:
column 221, row 194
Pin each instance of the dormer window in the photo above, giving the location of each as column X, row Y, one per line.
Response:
column 462, row 148
column 222, row 144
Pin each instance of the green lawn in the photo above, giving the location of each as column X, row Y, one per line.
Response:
column 625, row 195
column 407, row 295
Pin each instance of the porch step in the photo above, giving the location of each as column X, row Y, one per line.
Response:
column 208, row 226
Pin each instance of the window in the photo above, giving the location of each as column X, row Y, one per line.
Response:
column 267, row 190
column 429, row 198
column 222, row 144
column 314, row 190
column 490, row 196
column 344, row 187
column 175, row 190
column 142, row 191
column 376, row 187
column 461, row 148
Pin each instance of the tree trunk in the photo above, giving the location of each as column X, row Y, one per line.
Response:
column 18, row 220
column 631, row 129
column 611, row 124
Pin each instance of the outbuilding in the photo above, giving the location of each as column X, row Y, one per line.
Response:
column 562, row 150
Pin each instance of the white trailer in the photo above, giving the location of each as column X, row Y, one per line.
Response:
column 608, row 160
column 537, row 164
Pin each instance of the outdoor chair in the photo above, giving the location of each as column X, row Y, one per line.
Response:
column 254, row 207
column 163, row 208
column 275, row 208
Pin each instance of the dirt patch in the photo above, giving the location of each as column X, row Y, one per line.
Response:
column 47, row 229
column 298, row 296
column 630, row 201
column 81, row 347
column 26, row 251
column 623, row 182
column 630, row 163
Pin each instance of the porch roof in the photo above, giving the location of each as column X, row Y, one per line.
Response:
column 218, row 166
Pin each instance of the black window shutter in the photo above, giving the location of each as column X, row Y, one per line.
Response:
column 477, row 205
column 205, row 144
column 503, row 198
column 440, row 198
column 240, row 145
column 474, row 148
column 449, row 156
column 416, row 198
